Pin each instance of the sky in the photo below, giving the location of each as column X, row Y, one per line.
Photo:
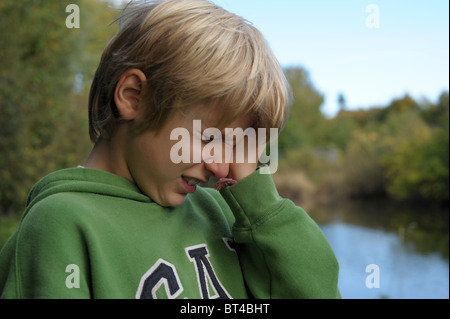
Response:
column 371, row 51
column 346, row 51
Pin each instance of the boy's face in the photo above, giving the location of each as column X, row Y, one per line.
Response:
column 151, row 166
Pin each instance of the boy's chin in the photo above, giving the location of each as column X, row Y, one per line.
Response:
column 173, row 201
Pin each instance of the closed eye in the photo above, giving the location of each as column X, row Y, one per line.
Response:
column 207, row 138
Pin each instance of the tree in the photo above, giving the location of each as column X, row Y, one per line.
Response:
column 415, row 164
column 42, row 123
column 306, row 121
column 342, row 102
column 400, row 151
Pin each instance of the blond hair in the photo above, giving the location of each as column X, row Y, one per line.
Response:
column 191, row 52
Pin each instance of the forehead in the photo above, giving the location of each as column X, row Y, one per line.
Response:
column 215, row 116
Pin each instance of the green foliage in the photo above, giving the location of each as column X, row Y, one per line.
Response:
column 362, row 165
column 338, row 131
column 417, row 164
column 402, row 156
column 399, row 151
column 8, row 225
column 305, row 116
column 43, row 124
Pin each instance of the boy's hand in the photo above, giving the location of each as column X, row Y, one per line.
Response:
column 242, row 170
column 245, row 157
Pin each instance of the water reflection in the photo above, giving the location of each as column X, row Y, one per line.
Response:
column 410, row 246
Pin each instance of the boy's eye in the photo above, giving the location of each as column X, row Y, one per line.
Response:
column 207, row 138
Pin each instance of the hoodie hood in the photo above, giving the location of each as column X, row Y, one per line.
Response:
column 84, row 180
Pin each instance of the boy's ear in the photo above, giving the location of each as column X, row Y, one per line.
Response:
column 129, row 92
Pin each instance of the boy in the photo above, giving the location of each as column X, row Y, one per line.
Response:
column 131, row 222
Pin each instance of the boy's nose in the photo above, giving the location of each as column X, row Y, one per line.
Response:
column 219, row 170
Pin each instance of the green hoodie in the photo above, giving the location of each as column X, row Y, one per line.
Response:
column 91, row 234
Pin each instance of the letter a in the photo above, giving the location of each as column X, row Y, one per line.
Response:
column 183, row 146
column 205, row 272
column 373, row 280
column 73, row 19
column 373, row 19
column 73, row 280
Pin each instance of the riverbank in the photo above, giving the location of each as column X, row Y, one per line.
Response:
column 423, row 225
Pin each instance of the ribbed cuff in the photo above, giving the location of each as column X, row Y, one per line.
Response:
column 253, row 199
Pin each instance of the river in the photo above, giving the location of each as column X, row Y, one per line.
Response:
column 388, row 250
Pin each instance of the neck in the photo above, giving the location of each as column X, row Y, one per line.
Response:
column 106, row 156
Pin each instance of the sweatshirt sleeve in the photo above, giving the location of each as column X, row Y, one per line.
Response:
column 283, row 252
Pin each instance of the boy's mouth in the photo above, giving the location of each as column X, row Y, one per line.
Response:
column 190, row 183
